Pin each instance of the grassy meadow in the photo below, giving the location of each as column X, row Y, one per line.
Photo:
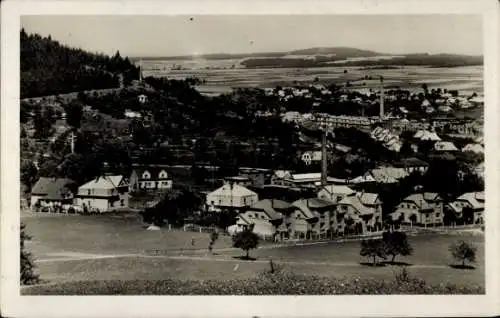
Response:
column 110, row 248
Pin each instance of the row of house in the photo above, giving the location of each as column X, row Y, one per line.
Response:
column 339, row 208
column 428, row 209
column 313, row 217
column 104, row 193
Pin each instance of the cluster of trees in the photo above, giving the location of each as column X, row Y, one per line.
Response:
column 176, row 206
column 49, row 68
column 392, row 244
column 396, row 243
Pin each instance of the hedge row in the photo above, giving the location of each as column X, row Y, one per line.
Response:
column 264, row 284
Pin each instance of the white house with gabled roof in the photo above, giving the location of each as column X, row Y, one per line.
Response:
column 104, row 193
column 230, row 196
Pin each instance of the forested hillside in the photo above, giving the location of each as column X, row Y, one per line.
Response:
column 49, row 68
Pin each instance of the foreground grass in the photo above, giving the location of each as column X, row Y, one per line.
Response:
column 261, row 284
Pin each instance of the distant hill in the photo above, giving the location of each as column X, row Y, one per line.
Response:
column 49, row 68
column 340, row 52
column 335, row 56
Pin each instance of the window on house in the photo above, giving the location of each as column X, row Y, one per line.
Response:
column 220, row 202
column 212, row 203
column 122, row 202
column 89, row 192
column 262, row 216
column 437, row 214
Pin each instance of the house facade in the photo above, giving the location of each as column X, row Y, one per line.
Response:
column 150, row 178
column 52, row 191
column 310, row 218
column 335, row 193
column 267, row 217
column 362, row 211
column 412, row 165
column 104, row 194
column 473, row 200
column 425, row 209
column 230, row 196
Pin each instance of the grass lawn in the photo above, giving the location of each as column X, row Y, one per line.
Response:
column 125, row 247
column 106, row 234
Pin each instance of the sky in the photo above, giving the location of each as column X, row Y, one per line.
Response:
column 136, row 36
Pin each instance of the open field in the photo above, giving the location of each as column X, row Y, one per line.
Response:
column 76, row 248
column 465, row 79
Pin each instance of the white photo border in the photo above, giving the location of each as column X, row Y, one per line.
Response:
column 14, row 305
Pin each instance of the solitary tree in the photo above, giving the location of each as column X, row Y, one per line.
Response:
column 28, row 276
column 396, row 243
column 462, row 251
column 246, row 240
column 374, row 249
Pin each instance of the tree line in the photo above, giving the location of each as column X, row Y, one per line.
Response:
column 50, row 68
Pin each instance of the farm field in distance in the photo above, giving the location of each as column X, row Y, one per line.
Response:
column 221, row 79
column 114, row 248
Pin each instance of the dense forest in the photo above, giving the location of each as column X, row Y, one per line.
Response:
column 49, row 68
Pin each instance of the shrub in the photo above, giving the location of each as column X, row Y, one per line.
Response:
column 28, row 276
column 462, row 251
column 284, row 283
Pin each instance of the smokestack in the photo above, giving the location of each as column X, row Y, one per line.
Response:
column 381, row 97
column 140, row 71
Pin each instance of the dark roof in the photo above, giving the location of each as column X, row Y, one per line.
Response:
column 153, row 170
column 411, row 162
column 52, row 188
column 272, row 207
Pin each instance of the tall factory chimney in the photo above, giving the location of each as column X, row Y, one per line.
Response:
column 381, row 98
column 140, row 71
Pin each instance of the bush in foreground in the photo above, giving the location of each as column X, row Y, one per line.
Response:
column 28, row 275
column 267, row 283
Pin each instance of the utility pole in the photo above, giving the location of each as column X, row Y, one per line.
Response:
column 324, row 161
column 72, row 142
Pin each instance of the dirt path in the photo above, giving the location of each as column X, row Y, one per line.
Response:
column 66, row 257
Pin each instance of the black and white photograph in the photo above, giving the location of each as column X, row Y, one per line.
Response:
column 252, row 154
